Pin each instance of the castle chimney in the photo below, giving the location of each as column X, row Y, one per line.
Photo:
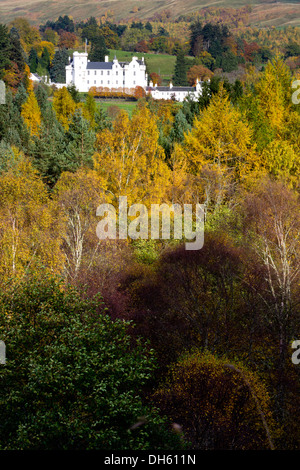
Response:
column 106, row 58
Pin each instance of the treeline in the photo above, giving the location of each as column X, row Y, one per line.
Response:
column 212, row 47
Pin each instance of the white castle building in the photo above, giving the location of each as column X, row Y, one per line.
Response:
column 178, row 93
column 85, row 74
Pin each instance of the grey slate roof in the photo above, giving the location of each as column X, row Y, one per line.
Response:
column 174, row 88
column 99, row 65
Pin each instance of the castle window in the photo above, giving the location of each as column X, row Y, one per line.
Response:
column 101, row 82
column 101, row 72
column 88, row 72
column 95, row 73
column 94, row 82
column 88, row 81
column 134, row 73
column 108, row 72
column 108, row 82
column 117, row 73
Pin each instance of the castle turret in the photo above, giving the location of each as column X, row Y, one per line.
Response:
column 80, row 60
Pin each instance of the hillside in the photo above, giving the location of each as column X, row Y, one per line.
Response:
column 264, row 12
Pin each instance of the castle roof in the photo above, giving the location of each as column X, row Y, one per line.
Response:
column 99, row 65
column 172, row 89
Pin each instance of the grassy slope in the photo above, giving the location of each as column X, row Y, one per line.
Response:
column 163, row 64
column 128, row 106
column 265, row 12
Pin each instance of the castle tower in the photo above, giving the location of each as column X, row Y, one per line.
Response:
column 80, row 60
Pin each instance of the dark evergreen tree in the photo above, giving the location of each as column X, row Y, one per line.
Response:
column 179, row 128
column 74, row 93
column 180, row 76
column 45, row 60
column 8, row 158
column 12, row 127
column 47, row 150
column 196, row 33
column 292, row 49
column 21, row 96
column 98, row 49
column 16, row 52
column 148, row 26
column 4, row 49
column 80, row 139
column 163, row 32
column 33, row 60
column 58, row 67
column 42, row 97
column 102, row 120
column 137, row 25
column 228, row 61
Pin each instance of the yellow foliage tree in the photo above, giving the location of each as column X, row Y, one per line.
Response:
column 219, row 136
column 220, row 404
column 64, row 106
column 131, row 159
column 274, row 89
column 29, row 224
column 48, row 45
column 31, row 113
column 29, row 35
column 281, row 160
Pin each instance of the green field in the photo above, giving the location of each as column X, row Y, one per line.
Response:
column 163, row 64
column 128, row 106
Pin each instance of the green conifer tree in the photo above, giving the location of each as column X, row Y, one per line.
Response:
column 98, row 49
column 80, row 142
column 58, row 67
column 180, row 76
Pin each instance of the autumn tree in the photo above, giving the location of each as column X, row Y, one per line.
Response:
column 29, row 35
column 131, row 160
column 219, row 404
column 78, row 195
column 273, row 90
column 67, row 40
column 272, row 221
column 198, row 72
column 31, row 114
column 64, row 106
column 28, row 224
column 221, row 141
column 156, row 78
